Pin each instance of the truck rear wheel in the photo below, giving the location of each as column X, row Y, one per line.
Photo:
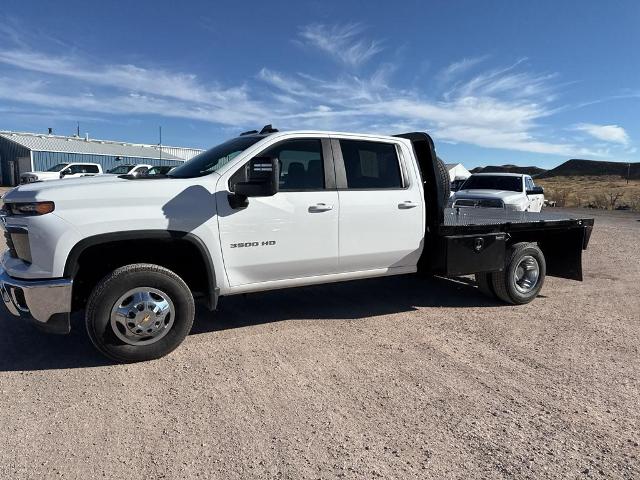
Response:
column 139, row 312
column 523, row 276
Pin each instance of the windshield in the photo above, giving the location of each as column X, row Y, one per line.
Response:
column 215, row 158
column 121, row 169
column 58, row 167
column 488, row 182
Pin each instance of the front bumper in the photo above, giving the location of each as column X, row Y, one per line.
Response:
column 47, row 303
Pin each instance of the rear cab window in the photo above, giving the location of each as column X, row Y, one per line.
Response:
column 371, row 165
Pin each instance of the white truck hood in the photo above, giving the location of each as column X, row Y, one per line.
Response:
column 103, row 191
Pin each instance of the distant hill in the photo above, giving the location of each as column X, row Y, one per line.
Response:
column 578, row 167
column 509, row 169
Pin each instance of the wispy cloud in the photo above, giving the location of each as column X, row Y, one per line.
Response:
column 459, row 67
column 510, row 81
column 607, row 133
column 129, row 77
column 498, row 107
column 342, row 42
column 506, row 123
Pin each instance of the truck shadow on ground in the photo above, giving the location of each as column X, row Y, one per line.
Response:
column 23, row 347
column 344, row 301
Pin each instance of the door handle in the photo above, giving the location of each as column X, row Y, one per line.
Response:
column 406, row 205
column 320, row 207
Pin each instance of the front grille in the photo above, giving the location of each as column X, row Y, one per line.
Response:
column 479, row 203
column 491, row 203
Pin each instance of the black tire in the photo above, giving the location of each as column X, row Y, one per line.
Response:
column 444, row 181
column 504, row 283
column 118, row 283
column 485, row 284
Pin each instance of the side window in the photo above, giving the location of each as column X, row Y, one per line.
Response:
column 142, row 170
column 371, row 164
column 301, row 165
column 91, row 168
column 74, row 169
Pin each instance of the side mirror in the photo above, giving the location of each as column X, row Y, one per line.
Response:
column 263, row 175
column 535, row 191
column 63, row 173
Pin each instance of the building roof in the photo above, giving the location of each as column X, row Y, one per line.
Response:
column 58, row 143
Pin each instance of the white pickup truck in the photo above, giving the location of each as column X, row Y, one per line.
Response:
column 513, row 191
column 62, row 170
column 261, row 211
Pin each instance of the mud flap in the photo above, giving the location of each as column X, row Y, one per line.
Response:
column 563, row 251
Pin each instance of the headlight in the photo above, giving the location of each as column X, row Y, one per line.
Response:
column 30, row 209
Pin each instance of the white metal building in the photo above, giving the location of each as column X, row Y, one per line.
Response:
column 23, row 152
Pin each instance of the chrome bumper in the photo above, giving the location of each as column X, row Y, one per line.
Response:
column 46, row 302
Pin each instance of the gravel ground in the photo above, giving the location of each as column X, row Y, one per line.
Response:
column 391, row 378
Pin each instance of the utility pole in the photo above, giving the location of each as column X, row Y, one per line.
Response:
column 160, row 144
column 78, row 129
column 628, row 172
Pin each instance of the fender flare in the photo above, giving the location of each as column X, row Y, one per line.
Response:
column 72, row 265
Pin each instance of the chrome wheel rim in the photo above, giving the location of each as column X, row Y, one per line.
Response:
column 142, row 316
column 527, row 274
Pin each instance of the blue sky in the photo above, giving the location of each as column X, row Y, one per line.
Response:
column 494, row 82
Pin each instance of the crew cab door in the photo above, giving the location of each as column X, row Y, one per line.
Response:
column 381, row 205
column 292, row 234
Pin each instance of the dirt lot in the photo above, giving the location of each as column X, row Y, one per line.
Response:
column 391, row 378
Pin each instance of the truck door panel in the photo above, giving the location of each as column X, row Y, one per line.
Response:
column 381, row 206
column 292, row 234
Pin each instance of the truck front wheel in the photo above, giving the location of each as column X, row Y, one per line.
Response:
column 523, row 275
column 139, row 312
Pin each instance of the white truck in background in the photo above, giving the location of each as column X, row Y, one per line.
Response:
column 62, row 170
column 262, row 211
column 512, row 191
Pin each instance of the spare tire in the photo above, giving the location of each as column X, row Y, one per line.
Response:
column 444, row 182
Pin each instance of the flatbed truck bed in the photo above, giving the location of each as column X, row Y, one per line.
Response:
column 473, row 240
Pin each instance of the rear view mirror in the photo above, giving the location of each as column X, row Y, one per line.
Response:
column 535, row 191
column 262, row 175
